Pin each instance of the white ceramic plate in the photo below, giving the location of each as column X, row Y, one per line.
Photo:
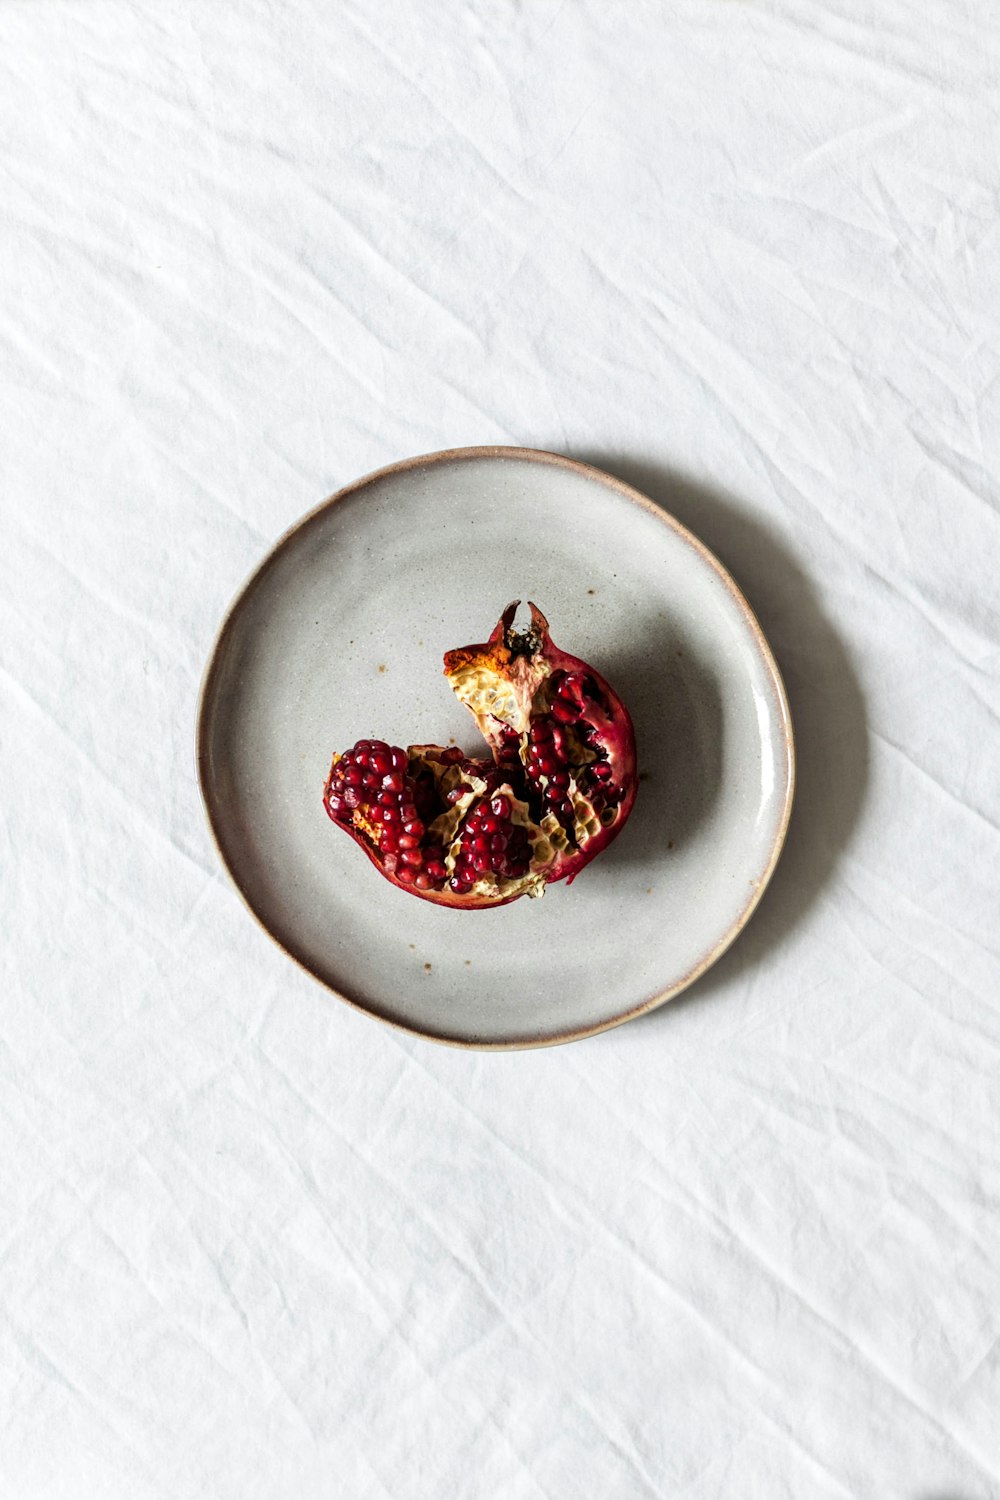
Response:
column 339, row 636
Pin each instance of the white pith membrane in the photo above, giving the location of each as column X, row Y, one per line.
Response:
column 447, row 826
column 513, row 699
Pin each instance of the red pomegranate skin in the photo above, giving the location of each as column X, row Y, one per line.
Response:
column 467, row 833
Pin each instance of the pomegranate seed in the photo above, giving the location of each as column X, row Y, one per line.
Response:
column 602, row 770
column 389, row 863
column 414, row 827
column 500, row 807
column 352, row 797
column 336, row 805
column 459, row 886
column 399, row 758
column 548, row 765
column 436, row 869
column 409, row 840
column 566, row 713
column 407, row 811
column 412, row 857
column 423, row 881
column 394, row 781
column 405, row 874
column 353, row 777
column 498, row 843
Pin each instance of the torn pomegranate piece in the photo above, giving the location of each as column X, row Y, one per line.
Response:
column 476, row 833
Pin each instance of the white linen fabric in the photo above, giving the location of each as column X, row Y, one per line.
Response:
column 744, row 255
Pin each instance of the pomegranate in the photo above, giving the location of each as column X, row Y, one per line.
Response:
column 476, row 833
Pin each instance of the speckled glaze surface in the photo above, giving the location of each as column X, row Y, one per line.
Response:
column 339, row 635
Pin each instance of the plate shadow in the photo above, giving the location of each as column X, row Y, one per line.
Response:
column 680, row 773
column 824, row 692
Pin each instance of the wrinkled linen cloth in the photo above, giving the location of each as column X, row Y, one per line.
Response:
column 744, row 255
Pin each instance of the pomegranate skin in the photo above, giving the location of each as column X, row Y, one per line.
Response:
column 472, row 834
column 529, row 663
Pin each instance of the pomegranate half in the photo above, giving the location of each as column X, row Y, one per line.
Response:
column 475, row 833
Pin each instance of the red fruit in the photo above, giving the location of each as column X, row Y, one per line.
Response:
column 476, row 833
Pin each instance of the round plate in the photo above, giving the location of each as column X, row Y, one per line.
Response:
column 339, row 636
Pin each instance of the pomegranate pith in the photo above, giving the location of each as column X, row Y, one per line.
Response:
column 475, row 833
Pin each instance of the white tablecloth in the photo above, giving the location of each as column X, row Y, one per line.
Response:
column 253, row 1244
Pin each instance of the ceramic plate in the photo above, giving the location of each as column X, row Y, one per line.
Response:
column 339, row 636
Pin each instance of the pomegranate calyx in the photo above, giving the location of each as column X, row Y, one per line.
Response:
column 499, row 679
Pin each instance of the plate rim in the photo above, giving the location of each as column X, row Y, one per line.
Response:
column 636, row 497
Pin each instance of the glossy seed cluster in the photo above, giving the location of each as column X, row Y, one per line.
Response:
column 491, row 843
column 393, row 798
column 551, row 757
column 374, row 779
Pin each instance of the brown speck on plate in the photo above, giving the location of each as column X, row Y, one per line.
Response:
column 427, row 968
column 381, row 666
column 589, row 591
column 670, row 843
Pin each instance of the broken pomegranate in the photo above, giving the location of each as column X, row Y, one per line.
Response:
column 475, row 833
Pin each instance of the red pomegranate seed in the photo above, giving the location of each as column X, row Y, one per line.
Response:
column 500, row 807
column 423, row 881
column 409, row 840
column 399, row 758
